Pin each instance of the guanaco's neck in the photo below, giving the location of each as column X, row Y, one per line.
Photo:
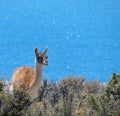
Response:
column 38, row 69
column 34, row 90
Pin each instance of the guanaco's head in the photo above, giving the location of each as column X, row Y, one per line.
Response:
column 41, row 57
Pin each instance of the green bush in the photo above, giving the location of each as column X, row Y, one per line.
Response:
column 107, row 103
column 1, row 85
column 14, row 105
column 71, row 96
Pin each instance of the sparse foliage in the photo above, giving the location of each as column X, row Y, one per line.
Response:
column 72, row 96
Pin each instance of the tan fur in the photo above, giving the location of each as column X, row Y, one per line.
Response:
column 23, row 77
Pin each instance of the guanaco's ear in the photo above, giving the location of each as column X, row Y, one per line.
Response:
column 36, row 50
column 46, row 49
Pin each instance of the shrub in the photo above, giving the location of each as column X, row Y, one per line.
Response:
column 1, row 85
column 13, row 104
column 71, row 96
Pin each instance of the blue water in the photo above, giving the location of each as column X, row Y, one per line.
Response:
column 83, row 37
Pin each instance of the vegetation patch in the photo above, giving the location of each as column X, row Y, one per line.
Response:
column 71, row 96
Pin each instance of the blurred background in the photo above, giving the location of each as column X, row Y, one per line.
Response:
column 83, row 37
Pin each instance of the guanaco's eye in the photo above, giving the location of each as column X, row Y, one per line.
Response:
column 39, row 57
column 46, row 56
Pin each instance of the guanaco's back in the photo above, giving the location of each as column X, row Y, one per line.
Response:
column 23, row 77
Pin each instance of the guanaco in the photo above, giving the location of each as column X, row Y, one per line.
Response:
column 30, row 79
